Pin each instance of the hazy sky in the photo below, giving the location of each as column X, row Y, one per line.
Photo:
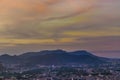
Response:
column 34, row 25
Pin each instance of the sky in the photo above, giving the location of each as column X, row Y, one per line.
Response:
column 35, row 25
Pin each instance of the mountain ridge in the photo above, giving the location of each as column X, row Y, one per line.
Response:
column 56, row 57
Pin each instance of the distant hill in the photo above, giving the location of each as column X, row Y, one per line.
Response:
column 53, row 57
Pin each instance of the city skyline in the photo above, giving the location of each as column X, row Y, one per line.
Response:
column 36, row 25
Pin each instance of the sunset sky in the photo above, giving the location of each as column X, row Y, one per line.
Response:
column 35, row 25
